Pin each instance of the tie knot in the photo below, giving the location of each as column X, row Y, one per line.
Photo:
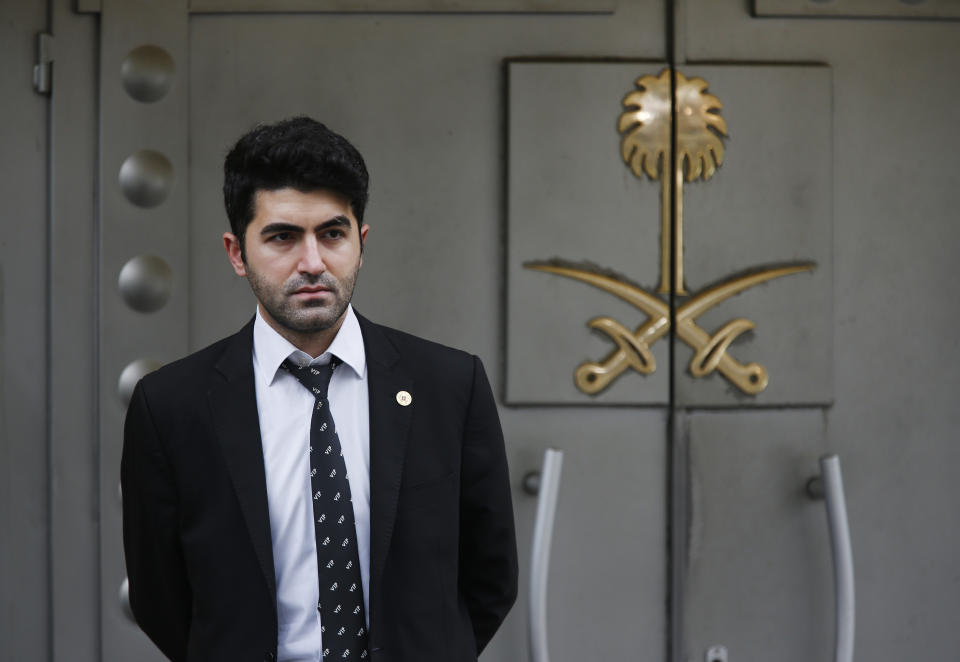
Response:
column 315, row 378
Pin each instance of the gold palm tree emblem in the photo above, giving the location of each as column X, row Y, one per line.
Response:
column 645, row 125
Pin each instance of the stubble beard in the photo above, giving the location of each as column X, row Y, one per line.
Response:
column 307, row 317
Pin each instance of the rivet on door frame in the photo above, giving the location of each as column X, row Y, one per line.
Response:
column 716, row 653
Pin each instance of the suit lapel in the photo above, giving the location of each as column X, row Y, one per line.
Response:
column 389, row 426
column 234, row 407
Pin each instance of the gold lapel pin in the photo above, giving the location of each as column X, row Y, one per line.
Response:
column 404, row 398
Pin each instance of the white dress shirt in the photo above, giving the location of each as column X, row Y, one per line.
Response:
column 285, row 408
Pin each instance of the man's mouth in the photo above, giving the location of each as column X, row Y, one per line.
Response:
column 311, row 292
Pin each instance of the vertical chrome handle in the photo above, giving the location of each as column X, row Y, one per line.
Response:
column 842, row 556
column 549, row 486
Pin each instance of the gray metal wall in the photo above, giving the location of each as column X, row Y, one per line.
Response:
column 49, row 507
column 757, row 576
column 24, row 482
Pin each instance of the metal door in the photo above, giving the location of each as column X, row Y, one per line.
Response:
column 421, row 95
column 759, row 580
column 682, row 523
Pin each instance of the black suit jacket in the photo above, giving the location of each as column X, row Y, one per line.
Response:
column 443, row 566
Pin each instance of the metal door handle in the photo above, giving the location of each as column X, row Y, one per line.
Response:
column 547, row 489
column 831, row 488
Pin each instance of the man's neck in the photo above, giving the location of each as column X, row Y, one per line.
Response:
column 313, row 344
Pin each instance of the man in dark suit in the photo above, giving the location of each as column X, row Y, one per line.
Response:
column 316, row 486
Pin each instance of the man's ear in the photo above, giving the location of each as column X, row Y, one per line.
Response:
column 364, row 229
column 234, row 253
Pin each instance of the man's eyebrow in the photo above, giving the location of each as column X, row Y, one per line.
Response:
column 335, row 221
column 273, row 228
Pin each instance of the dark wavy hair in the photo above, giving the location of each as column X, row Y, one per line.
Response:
column 298, row 153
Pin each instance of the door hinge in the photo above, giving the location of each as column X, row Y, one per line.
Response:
column 43, row 69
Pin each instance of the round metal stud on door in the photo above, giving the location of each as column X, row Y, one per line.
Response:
column 146, row 178
column 147, row 73
column 145, row 282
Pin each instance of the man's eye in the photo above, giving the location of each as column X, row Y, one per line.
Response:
column 334, row 234
column 281, row 236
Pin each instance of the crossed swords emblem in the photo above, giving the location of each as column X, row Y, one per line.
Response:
column 633, row 347
column 646, row 127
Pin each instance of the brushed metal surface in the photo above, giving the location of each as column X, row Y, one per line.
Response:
column 891, row 9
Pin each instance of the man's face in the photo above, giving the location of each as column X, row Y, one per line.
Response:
column 303, row 252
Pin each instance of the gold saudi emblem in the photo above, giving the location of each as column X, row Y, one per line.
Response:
column 645, row 128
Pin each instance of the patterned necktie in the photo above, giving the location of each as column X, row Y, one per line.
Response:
column 342, row 622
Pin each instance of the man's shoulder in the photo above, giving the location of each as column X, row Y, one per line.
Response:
column 190, row 373
column 444, row 376
column 412, row 348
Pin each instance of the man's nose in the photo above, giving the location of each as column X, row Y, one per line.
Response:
column 311, row 259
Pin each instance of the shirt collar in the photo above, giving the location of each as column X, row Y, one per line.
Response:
column 270, row 349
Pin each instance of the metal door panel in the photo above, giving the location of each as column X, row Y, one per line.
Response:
column 759, row 579
column 894, row 418
column 274, row 6
column 607, row 577
column 24, row 368
column 572, row 201
column 769, row 205
column 392, row 6
column 432, row 131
